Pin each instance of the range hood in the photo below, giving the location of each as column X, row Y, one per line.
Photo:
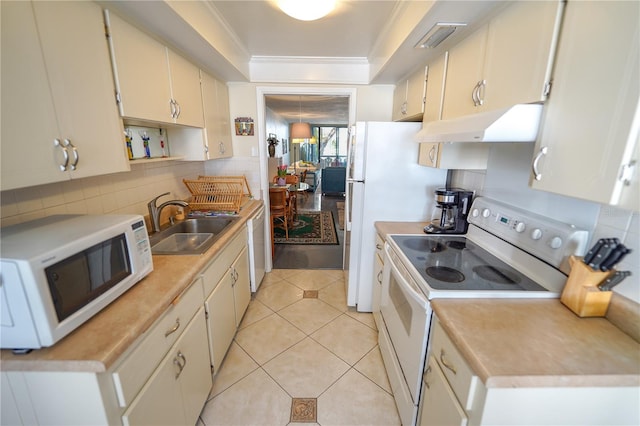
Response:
column 518, row 123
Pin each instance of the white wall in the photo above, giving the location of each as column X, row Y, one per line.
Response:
column 506, row 179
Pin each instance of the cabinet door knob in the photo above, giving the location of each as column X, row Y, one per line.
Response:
column 474, row 94
column 480, row 92
column 65, row 153
column 536, row 173
column 432, row 155
column 181, row 361
column 425, row 377
column 76, row 157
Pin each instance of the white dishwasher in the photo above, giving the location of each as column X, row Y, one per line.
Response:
column 255, row 228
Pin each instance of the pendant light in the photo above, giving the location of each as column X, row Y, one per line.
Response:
column 300, row 130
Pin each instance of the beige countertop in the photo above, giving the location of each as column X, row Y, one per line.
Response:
column 533, row 342
column 98, row 343
column 538, row 342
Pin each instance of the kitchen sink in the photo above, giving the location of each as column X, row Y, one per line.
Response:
column 191, row 236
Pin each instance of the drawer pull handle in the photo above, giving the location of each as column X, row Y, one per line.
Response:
column 175, row 327
column 445, row 363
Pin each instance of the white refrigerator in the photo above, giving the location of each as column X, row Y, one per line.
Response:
column 384, row 183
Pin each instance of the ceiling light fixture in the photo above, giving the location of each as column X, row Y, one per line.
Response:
column 437, row 34
column 307, row 10
column 300, row 130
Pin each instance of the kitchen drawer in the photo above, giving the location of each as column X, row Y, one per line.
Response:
column 220, row 265
column 458, row 373
column 135, row 369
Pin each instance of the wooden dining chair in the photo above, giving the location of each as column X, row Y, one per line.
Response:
column 279, row 210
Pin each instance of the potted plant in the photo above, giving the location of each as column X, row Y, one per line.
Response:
column 272, row 141
column 282, row 172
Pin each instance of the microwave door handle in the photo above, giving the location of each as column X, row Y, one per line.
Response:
column 411, row 292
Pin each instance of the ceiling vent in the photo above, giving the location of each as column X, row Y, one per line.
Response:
column 437, row 34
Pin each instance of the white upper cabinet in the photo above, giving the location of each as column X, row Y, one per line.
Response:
column 214, row 141
column 440, row 154
column 215, row 99
column 185, row 91
column 154, row 84
column 59, row 117
column 505, row 62
column 587, row 147
column 434, row 93
column 408, row 97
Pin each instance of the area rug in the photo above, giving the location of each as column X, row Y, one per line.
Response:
column 309, row 227
column 340, row 207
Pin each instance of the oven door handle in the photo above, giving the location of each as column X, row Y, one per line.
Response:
column 413, row 292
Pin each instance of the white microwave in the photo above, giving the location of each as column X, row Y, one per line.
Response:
column 59, row 271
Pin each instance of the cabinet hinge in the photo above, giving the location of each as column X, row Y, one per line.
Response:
column 118, row 98
column 626, row 173
column 106, row 31
column 206, row 315
column 547, row 89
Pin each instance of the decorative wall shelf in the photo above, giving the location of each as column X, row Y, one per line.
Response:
column 154, row 159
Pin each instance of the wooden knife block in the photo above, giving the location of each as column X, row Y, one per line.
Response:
column 581, row 293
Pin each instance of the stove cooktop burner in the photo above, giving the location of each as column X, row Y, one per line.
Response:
column 457, row 263
column 444, row 273
column 496, row 275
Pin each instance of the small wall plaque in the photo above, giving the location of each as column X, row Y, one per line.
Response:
column 244, row 126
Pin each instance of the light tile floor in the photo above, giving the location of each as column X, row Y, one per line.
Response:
column 294, row 347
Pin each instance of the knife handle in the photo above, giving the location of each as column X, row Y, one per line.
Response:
column 588, row 258
column 614, row 258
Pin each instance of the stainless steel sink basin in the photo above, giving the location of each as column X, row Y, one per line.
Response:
column 192, row 236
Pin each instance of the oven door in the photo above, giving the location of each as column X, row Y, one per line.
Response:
column 407, row 314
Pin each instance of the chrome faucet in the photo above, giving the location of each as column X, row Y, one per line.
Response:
column 154, row 211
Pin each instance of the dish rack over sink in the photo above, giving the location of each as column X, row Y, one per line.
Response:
column 218, row 193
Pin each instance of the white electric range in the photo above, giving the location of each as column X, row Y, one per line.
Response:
column 506, row 253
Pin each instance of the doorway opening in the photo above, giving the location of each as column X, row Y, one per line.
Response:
column 328, row 150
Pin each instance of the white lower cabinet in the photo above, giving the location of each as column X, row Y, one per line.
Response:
column 453, row 394
column 439, row 403
column 378, row 266
column 227, row 292
column 164, row 377
column 178, row 389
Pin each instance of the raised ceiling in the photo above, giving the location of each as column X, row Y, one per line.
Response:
column 314, row 109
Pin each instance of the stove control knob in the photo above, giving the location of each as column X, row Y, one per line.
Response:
column 486, row 213
column 520, row 227
column 536, row 234
column 555, row 242
column 475, row 213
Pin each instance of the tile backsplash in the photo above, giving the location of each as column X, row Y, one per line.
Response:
column 127, row 192
column 599, row 220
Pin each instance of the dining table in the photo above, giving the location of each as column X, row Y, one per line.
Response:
column 293, row 188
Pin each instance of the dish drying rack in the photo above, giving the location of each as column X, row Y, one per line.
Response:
column 218, row 193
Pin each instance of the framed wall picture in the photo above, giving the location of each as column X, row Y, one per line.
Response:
column 285, row 145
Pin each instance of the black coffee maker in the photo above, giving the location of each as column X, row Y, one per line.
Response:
column 451, row 212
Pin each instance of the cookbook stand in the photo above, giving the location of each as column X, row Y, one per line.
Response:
column 581, row 293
